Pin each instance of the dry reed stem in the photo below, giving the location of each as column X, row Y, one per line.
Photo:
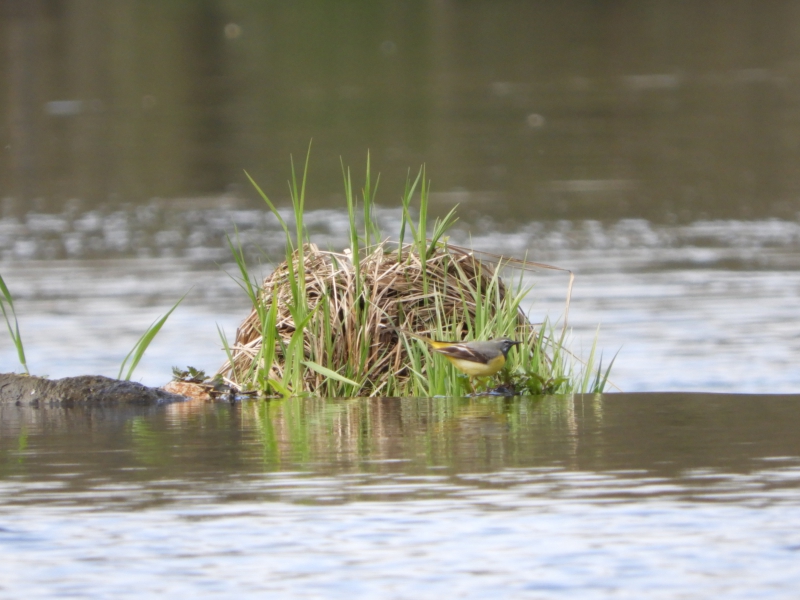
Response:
column 394, row 295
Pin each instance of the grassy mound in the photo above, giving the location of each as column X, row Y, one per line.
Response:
column 332, row 324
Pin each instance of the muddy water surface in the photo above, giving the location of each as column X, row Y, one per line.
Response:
column 657, row 495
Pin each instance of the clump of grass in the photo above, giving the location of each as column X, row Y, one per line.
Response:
column 329, row 323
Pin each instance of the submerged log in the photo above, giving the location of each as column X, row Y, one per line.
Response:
column 85, row 390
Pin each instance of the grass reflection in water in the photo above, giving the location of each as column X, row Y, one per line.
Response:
column 350, row 434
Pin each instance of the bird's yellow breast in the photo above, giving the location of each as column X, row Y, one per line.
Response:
column 477, row 369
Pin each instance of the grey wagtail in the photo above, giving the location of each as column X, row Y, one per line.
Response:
column 476, row 359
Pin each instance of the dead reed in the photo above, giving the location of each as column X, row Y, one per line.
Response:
column 325, row 323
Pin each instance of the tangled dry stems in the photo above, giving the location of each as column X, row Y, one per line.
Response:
column 398, row 290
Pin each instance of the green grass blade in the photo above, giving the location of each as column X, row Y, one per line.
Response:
column 355, row 251
column 279, row 387
column 372, row 234
column 228, row 351
column 269, row 335
column 136, row 353
column 601, row 380
column 247, row 283
column 405, row 202
column 293, row 352
column 440, row 227
column 299, row 198
column 329, row 373
column 16, row 338
column 271, row 206
column 6, row 293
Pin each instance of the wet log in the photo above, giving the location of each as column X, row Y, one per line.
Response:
column 85, row 390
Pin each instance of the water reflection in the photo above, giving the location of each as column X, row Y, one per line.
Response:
column 578, row 497
column 662, row 435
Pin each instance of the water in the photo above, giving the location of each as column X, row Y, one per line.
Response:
column 540, row 110
column 709, row 306
column 663, row 495
column 650, row 150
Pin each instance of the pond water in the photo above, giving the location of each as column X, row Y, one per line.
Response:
column 708, row 306
column 653, row 149
column 623, row 495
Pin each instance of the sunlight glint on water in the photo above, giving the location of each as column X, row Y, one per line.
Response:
column 706, row 307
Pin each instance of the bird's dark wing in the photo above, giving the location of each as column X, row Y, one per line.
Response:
column 463, row 352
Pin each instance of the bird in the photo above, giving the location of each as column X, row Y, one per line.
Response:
column 479, row 358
